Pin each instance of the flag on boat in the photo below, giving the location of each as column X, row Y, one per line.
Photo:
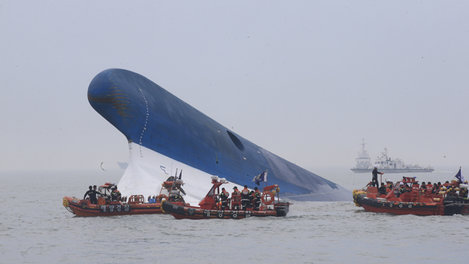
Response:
column 459, row 176
column 260, row 178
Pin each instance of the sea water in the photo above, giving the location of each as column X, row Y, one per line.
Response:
column 36, row 228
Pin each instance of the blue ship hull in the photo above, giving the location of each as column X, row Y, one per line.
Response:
column 151, row 117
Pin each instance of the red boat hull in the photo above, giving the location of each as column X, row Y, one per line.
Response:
column 192, row 212
column 404, row 209
column 447, row 207
column 85, row 208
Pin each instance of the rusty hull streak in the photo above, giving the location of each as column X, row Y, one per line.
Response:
column 116, row 98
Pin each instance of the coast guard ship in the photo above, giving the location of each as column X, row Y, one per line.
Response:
column 164, row 134
column 384, row 163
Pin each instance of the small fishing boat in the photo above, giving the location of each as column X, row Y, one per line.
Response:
column 409, row 197
column 212, row 207
column 171, row 190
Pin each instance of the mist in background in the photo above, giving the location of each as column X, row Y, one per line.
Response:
column 306, row 80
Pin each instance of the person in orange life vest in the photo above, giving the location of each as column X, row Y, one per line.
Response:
column 245, row 197
column 235, row 199
column 423, row 187
column 256, row 197
column 224, row 198
column 429, row 187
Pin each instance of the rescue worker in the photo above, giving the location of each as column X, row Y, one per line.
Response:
column 115, row 194
column 463, row 192
column 235, row 199
column 374, row 179
column 91, row 195
column 382, row 189
column 245, row 201
column 423, row 187
column 402, row 189
column 256, row 198
column 389, row 187
column 224, row 198
column 175, row 195
column 429, row 187
column 96, row 191
column 451, row 192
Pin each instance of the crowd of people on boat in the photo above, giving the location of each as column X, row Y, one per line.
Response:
column 93, row 194
column 240, row 200
column 453, row 189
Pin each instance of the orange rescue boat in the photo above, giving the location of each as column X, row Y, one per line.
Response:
column 407, row 197
column 212, row 207
column 170, row 190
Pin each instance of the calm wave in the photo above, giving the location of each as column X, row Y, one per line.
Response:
column 35, row 228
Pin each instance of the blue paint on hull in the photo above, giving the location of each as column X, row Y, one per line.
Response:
column 152, row 117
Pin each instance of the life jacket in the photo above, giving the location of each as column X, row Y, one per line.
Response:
column 115, row 195
column 256, row 194
column 224, row 195
column 236, row 196
column 245, row 193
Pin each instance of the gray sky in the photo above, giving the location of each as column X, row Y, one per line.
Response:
column 306, row 80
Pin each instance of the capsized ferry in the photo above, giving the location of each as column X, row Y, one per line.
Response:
column 165, row 132
column 410, row 197
column 211, row 207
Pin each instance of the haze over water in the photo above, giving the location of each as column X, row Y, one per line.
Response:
column 36, row 228
column 306, row 80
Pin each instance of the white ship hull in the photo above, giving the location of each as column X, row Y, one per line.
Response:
column 390, row 170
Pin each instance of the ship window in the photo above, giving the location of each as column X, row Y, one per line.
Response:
column 235, row 140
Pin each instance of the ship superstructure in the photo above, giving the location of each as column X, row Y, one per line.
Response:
column 363, row 160
column 384, row 163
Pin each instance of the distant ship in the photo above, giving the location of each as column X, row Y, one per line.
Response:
column 384, row 163
column 165, row 134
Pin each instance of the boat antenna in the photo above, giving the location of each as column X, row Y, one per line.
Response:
column 174, row 181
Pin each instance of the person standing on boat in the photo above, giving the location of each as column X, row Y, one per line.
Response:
column 235, row 199
column 463, row 192
column 374, row 180
column 92, row 195
column 224, row 198
column 115, row 194
column 245, row 197
column 256, row 198
column 96, row 191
